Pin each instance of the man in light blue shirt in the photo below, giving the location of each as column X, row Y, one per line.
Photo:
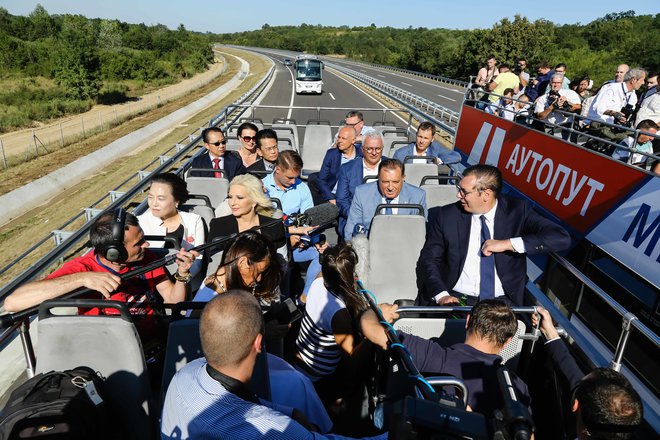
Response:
column 425, row 145
column 209, row 398
column 284, row 184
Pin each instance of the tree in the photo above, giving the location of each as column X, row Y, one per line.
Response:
column 77, row 66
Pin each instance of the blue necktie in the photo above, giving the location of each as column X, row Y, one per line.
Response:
column 388, row 210
column 487, row 266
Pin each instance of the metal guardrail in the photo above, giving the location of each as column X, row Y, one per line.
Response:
column 422, row 108
column 116, row 197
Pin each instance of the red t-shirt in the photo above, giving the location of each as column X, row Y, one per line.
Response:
column 133, row 291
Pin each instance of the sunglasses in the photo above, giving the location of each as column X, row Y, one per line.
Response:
column 217, row 144
column 249, row 138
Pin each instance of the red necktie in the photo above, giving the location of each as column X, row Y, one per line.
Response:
column 216, row 166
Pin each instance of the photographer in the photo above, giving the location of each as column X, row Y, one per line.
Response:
column 520, row 69
column 547, row 106
column 612, row 102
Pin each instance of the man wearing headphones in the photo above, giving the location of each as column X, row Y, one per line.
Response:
column 119, row 247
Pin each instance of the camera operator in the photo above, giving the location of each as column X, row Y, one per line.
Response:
column 613, row 99
column 557, row 98
column 520, row 69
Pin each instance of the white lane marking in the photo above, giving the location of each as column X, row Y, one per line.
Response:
column 406, row 84
column 447, row 97
column 332, row 96
column 293, row 93
column 461, row 91
column 362, row 70
column 382, row 76
column 372, row 98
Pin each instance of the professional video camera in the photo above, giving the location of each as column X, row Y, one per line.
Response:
column 627, row 111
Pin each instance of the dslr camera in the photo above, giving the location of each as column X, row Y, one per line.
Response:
column 518, row 69
column 553, row 98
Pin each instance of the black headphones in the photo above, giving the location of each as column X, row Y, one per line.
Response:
column 115, row 251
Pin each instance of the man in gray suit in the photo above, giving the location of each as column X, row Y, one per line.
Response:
column 389, row 189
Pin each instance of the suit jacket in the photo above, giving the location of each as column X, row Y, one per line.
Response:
column 233, row 165
column 443, row 255
column 367, row 198
column 330, row 172
column 259, row 169
column 435, row 150
column 560, row 356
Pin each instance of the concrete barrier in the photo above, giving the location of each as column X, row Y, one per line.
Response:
column 40, row 191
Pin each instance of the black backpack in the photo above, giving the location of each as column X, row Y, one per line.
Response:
column 58, row 405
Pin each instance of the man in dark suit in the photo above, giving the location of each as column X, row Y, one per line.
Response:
column 267, row 150
column 352, row 173
column 477, row 247
column 390, row 188
column 217, row 157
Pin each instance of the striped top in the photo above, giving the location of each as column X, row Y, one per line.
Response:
column 316, row 341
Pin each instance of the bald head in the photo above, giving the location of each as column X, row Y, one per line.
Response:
column 346, row 139
column 228, row 327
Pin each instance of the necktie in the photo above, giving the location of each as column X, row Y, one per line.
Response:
column 487, row 266
column 216, row 166
column 388, row 210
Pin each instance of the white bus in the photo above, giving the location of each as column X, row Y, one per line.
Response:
column 309, row 74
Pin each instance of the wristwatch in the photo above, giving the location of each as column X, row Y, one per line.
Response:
column 182, row 278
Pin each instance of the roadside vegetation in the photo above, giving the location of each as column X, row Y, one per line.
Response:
column 594, row 49
column 56, row 65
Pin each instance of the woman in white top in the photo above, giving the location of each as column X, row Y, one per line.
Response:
column 167, row 191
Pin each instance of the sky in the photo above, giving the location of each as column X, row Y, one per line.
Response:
column 222, row 16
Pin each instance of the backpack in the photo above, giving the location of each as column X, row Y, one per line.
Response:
column 57, row 405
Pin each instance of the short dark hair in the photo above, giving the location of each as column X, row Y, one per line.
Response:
column 646, row 125
column 246, row 126
column 609, row 406
column 178, row 186
column 509, row 90
column 266, row 133
column 206, row 131
column 504, row 66
column 354, row 113
column 391, row 164
column 100, row 233
column 490, row 57
column 488, row 177
column 561, row 65
column 543, row 65
column 289, row 159
column 425, row 126
column 493, row 320
column 256, row 248
column 228, row 326
column 522, row 59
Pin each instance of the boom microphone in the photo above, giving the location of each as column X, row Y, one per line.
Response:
column 322, row 214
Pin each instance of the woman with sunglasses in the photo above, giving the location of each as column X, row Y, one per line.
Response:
column 247, row 135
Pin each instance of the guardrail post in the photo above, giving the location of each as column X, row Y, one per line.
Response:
column 626, row 326
column 60, row 235
column 143, row 174
column 163, row 159
column 4, row 158
column 114, row 195
column 90, row 213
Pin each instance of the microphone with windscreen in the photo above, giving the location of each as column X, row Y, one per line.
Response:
column 322, row 214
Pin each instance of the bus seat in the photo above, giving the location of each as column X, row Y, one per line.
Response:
column 214, row 188
column 318, row 137
column 108, row 344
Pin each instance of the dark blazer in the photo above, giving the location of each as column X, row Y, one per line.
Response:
column 564, row 361
column 443, row 255
column 227, row 225
column 233, row 165
column 330, row 172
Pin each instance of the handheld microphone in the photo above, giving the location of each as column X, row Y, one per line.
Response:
column 359, row 229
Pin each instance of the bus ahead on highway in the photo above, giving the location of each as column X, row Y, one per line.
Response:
column 309, row 74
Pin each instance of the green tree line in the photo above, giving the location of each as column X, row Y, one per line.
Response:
column 53, row 65
column 593, row 49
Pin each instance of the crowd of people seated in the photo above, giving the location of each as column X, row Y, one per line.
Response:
column 611, row 116
column 475, row 254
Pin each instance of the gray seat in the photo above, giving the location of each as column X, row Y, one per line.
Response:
column 415, row 172
column 214, row 188
column 440, row 190
column 256, row 121
column 108, row 344
column 395, row 242
column 233, row 144
column 318, row 137
column 394, row 146
column 286, row 130
column 286, row 143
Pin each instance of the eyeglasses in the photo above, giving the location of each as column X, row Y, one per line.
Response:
column 373, row 150
column 217, row 144
column 463, row 193
column 275, row 148
column 353, row 125
column 249, row 138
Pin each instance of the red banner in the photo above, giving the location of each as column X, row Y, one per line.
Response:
column 577, row 185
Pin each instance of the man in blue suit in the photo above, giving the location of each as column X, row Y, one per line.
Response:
column 344, row 152
column 461, row 260
column 427, row 146
column 352, row 173
column 217, row 157
column 390, row 189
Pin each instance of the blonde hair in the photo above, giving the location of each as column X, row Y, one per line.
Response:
column 255, row 191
